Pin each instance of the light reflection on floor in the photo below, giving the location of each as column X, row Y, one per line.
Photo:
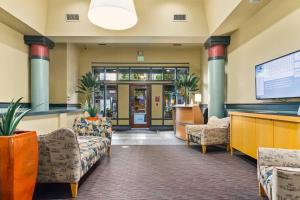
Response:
column 160, row 138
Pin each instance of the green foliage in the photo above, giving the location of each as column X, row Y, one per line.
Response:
column 158, row 77
column 108, row 112
column 10, row 120
column 124, row 77
column 169, row 77
column 187, row 84
column 92, row 110
column 87, row 86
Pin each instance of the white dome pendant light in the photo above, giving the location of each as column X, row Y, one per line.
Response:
column 113, row 14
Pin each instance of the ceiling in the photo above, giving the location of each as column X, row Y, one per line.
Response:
column 155, row 26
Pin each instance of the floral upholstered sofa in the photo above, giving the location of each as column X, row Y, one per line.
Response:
column 215, row 132
column 65, row 155
column 278, row 173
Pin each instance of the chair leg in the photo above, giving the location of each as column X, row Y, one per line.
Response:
column 228, row 147
column 188, row 141
column 261, row 190
column 74, row 189
column 231, row 151
column 204, row 149
column 109, row 151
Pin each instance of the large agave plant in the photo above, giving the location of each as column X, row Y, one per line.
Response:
column 186, row 84
column 87, row 86
column 10, row 120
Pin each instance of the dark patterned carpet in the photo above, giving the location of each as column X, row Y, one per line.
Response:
column 163, row 172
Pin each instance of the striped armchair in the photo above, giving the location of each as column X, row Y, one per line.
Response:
column 278, row 172
column 213, row 133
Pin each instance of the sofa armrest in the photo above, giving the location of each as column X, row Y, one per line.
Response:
column 195, row 129
column 59, row 157
column 278, row 157
column 285, row 183
column 212, row 135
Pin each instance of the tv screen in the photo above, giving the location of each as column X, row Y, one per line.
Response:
column 278, row 78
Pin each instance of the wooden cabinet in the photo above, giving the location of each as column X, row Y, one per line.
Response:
column 286, row 135
column 264, row 132
column 184, row 115
column 248, row 131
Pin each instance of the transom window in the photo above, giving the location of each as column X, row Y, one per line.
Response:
column 139, row 73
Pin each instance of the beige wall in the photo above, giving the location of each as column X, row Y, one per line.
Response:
column 14, row 65
column 58, row 74
column 123, row 101
column 204, row 76
column 44, row 124
column 64, row 69
column 217, row 11
column 265, row 36
column 72, row 72
column 31, row 12
column 280, row 38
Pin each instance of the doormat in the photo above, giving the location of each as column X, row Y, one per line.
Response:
column 136, row 131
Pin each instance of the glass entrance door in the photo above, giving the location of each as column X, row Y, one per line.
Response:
column 140, row 106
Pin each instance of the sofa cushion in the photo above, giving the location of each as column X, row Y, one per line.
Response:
column 218, row 123
column 91, row 148
column 100, row 127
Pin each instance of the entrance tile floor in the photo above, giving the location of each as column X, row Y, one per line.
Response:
column 158, row 138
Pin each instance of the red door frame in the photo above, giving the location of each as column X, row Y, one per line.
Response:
column 131, row 104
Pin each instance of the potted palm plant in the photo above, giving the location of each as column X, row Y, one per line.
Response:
column 187, row 84
column 92, row 110
column 87, row 87
column 18, row 156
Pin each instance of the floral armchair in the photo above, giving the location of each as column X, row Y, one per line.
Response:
column 66, row 155
column 215, row 132
column 278, row 173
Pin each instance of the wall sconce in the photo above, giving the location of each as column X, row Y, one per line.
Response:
column 198, row 98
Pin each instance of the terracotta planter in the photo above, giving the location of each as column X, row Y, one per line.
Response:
column 92, row 118
column 18, row 165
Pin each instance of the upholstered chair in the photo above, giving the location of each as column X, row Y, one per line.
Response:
column 215, row 132
column 278, row 172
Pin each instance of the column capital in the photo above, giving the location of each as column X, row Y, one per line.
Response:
column 217, row 40
column 216, row 46
column 38, row 40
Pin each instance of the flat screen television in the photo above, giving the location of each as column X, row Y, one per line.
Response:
column 278, row 78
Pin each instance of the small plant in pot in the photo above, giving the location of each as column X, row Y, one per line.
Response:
column 187, row 84
column 93, row 112
column 18, row 156
column 89, row 83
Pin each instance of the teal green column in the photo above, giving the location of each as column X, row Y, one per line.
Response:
column 216, row 74
column 39, row 71
column 39, row 84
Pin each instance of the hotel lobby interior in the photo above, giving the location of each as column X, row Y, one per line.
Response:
column 149, row 99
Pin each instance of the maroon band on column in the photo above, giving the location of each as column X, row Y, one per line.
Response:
column 39, row 51
column 216, row 51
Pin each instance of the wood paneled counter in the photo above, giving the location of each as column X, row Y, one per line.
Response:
column 248, row 131
column 185, row 115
